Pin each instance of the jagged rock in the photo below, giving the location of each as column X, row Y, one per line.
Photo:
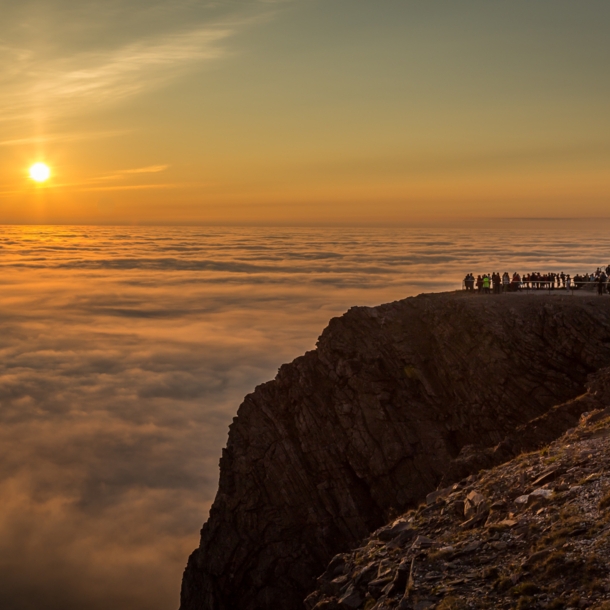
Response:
column 327, row 604
column 536, row 557
column 376, row 418
column 389, row 533
column 439, row 494
column 403, row 538
column 473, row 504
column 471, row 547
column 351, row 600
column 375, row 587
column 540, row 495
column 365, row 576
column 508, row 523
column 546, row 559
column 547, row 476
column 423, row 542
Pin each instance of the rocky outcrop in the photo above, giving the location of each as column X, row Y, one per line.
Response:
column 535, row 433
column 533, row 533
column 395, row 400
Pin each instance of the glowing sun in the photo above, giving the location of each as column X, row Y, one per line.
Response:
column 40, row 172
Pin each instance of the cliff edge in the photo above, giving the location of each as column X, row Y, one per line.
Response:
column 395, row 401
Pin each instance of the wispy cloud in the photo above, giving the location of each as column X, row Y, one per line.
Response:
column 126, row 173
column 131, row 187
column 151, row 169
column 64, row 137
column 68, row 84
column 90, row 185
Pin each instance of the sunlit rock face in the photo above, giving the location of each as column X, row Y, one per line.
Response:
column 371, row 421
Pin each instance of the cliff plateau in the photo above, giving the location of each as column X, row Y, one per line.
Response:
column 394, row 402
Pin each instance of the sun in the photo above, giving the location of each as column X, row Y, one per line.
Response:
column 40, row 172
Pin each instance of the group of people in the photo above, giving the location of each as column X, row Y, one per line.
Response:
column 496, row 283
column 492, row 283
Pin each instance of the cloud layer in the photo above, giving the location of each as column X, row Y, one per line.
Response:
column 126, row 352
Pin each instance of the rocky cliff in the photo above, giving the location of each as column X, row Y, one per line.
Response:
column 531, row 534
column 394, row 401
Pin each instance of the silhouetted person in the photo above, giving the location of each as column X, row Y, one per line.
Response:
column 601, row 284
column 505, row 281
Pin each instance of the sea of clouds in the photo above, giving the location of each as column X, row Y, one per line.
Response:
column 125, row 353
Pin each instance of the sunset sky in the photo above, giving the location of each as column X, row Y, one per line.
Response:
column 352, row 139
column 303, row 111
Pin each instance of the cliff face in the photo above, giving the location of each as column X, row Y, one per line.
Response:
column 532, row 533
column 395, row 400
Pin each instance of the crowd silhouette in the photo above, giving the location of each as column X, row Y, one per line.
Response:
column 494, row 283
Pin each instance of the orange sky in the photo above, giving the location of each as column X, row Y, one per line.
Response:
column 304, row 112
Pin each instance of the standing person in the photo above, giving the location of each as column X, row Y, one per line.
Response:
column 486, row 283
column 568, row 282
column 479, row 284
column 505, row 281
column 601, row 284
column 498, row 284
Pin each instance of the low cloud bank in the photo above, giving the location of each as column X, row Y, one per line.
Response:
column 125, row 354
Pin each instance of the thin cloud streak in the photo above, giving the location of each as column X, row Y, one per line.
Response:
column 131, row 187
column 65, row 137
column 151, row 169
column 67, row 85
column 124, row 173
column 76, row 185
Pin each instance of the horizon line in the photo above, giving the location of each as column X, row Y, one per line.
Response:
column 313, row 224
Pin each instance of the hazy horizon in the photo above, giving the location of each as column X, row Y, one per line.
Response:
column 495, row 223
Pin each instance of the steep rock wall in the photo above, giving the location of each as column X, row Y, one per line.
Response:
column 370, row 422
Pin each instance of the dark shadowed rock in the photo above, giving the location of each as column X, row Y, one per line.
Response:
column 395, row 401
column 545, row 554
